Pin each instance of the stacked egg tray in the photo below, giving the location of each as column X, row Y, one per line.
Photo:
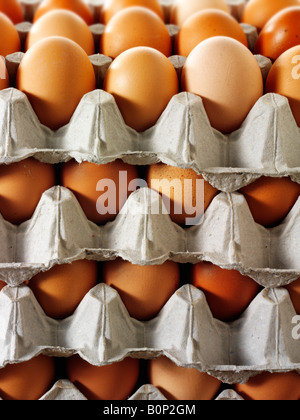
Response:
column 101, row 330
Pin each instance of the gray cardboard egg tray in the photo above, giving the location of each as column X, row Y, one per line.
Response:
column 185, row 330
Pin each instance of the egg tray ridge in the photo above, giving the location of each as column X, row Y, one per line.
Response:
column 59, row 233
column 101, row 332
column 268, row 142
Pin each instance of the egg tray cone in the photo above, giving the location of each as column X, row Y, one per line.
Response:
column 144, row 234
column 266, row 144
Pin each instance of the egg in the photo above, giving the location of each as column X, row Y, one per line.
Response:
column 271, row 387
column 62, row 23
column 280, row 33
column 207, row 24
column 77, row 6
column 21, row 187
column 113, row 382
column 111, row 7
column 12, row 9
column 184, row 384
column 143, row 289
column 294, row 291
column 100, row 203
column 228, row 292
column 227, row 77
column 10, row 40
column 258, row 12
column 135, row 27
column 271, row 199
column 55, row 74
column 27, row 381
column 141, row 95
column 284, row 79
column 4, row 78
column 60, row 290
column 2, row 285
column 182, row 9
column 182, row 192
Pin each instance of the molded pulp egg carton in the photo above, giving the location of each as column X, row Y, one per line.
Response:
column 185, row 331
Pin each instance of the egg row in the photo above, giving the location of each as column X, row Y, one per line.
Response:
column 264, row 338
column 103, row 11
column 227, row 104
column 135, row 112
column 119, row 380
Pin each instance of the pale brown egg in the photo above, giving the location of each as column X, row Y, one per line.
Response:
column 135, row 27
column 284, row 79
column 27, row 381
column 62, row 23
column 182, row 192
column 9, row 39
column 143, row 289
column 112, row 382
column 259, row 12
column 111, row 7
column 177, row 383
column 183, row 9
column 77, row 6
column 21, row 187
column 142, row 81
column 55, row 74
column 61, row 289
column 207, row 24
column 227, row 77
column 101, row 203
column 4, row 78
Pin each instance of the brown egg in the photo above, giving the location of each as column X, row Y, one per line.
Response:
column 141, row 95
column 13, row 10
column 181, row 191
column 10, row 40
column 143, row 289
column 207, row 24
column 279, row 34
column 21, row 187
column 284, row 79
column 183, row 9
column 111, row 7
column 227, row 76
column 61, row 289
column 177, row 383
column 271, row 199
column 228, row 292
column 135, row 27
column 55, row 74
column 258, row 12
column 100, row 203
column 112, row 382
column 27, row 381
column 77, row 6
column 271, row 387
column 62, row 23
column 4, row 78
